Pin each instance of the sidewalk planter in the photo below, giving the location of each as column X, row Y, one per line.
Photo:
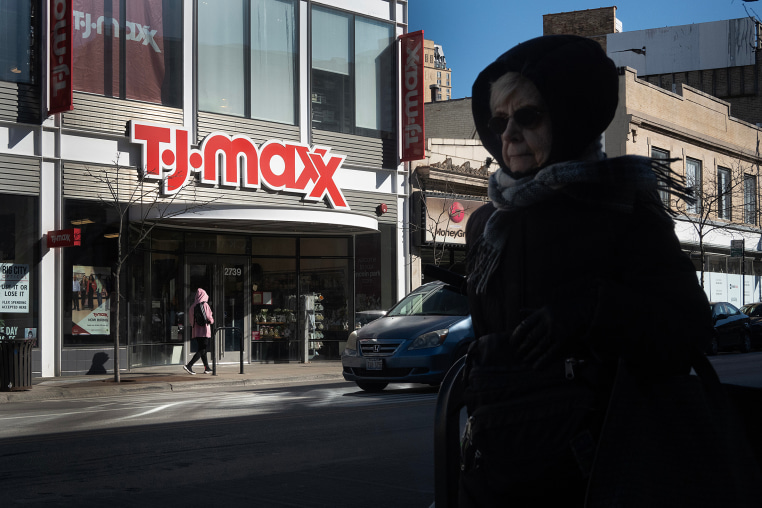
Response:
column 15, row 364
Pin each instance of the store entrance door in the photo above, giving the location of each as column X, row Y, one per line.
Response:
column 225, row 279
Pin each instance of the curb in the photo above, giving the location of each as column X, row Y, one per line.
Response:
column 40, row 392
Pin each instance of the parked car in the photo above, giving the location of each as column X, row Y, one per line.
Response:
column 364, row 317
column 415, row 342
column 754, row 311
column 731, row 328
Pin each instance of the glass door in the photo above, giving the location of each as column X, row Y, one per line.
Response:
column 225, row 279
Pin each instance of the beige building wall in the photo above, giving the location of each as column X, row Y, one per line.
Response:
column 688, row 123
column 435, row 75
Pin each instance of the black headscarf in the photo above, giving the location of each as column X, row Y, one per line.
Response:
column 577, row 81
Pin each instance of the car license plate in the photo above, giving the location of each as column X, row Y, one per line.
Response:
column 374, row 364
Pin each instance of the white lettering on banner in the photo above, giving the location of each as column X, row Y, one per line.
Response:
column 60, row 71
column 237, row 161
column 413, row 137
column 413, row 128
column 14, row 287
column 134, row 31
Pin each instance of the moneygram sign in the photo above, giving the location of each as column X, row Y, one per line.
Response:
column 237, row 162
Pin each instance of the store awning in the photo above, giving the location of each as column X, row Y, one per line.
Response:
column 271, row 220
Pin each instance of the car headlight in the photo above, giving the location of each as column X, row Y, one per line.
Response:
column 350, row 348
column 430, row 339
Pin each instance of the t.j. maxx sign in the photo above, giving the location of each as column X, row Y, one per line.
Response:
column 238, row 162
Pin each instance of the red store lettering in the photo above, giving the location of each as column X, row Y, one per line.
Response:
column 237, row 161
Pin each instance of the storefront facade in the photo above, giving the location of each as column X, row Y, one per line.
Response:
column 268, row 129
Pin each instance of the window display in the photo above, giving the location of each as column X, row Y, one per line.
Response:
column 87, row 268
column 18, row 270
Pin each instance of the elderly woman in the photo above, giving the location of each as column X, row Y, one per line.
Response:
column 573, row 264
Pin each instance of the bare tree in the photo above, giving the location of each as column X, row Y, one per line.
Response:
column 439, row 213
column 125, row 193
column 718, row 204
column 439, row 209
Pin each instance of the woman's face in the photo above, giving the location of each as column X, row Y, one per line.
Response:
column 527, row 135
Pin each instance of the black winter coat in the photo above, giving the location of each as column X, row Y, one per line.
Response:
column 621, row 273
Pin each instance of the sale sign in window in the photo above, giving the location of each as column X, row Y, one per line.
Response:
column 14, row 287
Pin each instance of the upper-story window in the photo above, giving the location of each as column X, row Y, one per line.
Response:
column 658, row 153
column 723, row 193
column 17, row 41
column 352, row 74
column 750, row 199
column 129, row 49
column 247, row 59
column 693, row 181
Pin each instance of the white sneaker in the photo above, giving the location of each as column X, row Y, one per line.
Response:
column 209, row 371
column 188, row 370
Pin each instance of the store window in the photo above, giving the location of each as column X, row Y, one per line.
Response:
column 88, row 317
column 247, row 59
column 17, row 41
column 352, row 74
column 301, row 294
column 327, row 282
column 375, row 289
column 19, row 252
column 129, row 50
column 274, row 310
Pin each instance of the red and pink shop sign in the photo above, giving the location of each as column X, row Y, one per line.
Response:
column 238, row 162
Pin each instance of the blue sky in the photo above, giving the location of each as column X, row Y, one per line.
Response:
column 473, row 33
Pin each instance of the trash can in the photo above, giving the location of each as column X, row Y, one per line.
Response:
column 15, row 364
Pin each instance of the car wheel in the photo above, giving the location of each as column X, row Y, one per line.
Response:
column 745, row 342
column 714, row 347
column 371, row 386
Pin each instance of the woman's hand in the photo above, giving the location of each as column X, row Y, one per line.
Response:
column 546, row 331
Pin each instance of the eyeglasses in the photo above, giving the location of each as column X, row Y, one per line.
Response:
column 526, row 118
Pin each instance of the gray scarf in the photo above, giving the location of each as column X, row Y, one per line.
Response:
column 621, row 183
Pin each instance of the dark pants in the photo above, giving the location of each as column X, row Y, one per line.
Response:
column 200, row 353
column 75, row 297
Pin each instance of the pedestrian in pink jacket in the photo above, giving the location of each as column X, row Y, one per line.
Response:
column 201, row 320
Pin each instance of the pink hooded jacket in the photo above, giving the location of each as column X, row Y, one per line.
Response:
column 201, row 330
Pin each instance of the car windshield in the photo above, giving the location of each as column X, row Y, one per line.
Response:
column 432, row 300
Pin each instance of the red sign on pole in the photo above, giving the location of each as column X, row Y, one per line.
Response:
column 413, row 134
column 60, row 82
column 64, row 238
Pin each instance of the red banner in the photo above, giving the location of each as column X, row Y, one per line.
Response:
column 64, row 238
column 413, row 134
column 98, row 29
column 61, row 89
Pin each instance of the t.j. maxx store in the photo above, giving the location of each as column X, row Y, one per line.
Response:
column 250, row 148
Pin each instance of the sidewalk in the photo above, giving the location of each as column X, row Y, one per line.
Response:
column 174, row 378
